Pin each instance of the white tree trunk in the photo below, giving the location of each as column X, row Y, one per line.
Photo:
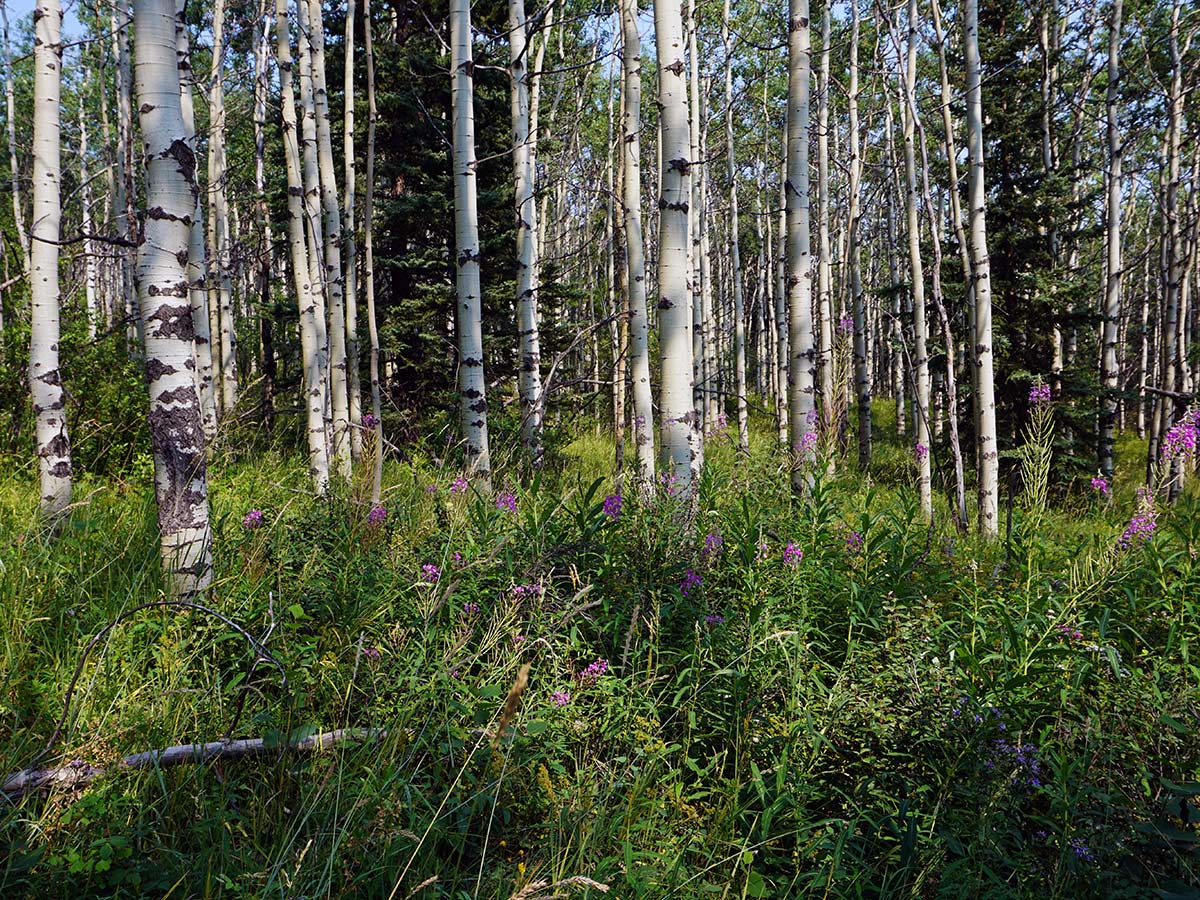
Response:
column 369, row 260
column 85, row 216
column 332, row 233
column 735, row 255
column 353, row 383
column 471, row 383
column 529, row 378
column 45, row 379
column 11, row 125
column 680, row 435
column 196, row 267
column 985, row 393
column 1112, row 295
column 631, row 187
column 176, row 432
column 218, row 217
column 802, row 361
column 125, row 190
column 862, row 366
column 824, row 250
column 311, row 344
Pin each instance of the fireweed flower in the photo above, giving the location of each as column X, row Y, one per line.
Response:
column 921, row 452
column 521, row 591
column 1181, row 438
column 792, row 554
column 690, row 580
column 560, row 698
column 457, row 557
column 1067, row 633
column 667, row 480
column 371, row 653
column 612, row 506
column 594, row 671
column 369, row 421
column 712, row 620
column 845, row 325
column 377, row 515
column 458, row 485
column 1039, row 393
column 508, row 501
column 854, row 542
column 1100, row 486
column 764, row 551
column 431, row 488
column 713, row 545
column 470, row 608
column 430, row 573
column 1141, row 527
column 252, row 519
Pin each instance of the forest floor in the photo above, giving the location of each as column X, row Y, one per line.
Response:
column 825, row 699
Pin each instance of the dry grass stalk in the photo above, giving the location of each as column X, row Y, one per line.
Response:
column 511, row 702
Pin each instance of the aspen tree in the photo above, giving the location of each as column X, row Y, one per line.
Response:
column 312, row 345
column 530, row 379
column 353, row 383
column 1109, row 370
column 802, row 362
column 824, row 250
column 124, row 198
column 331, row 230
column 862, row 367
column 218, row 218
column 85, row 215
column 471, row 383
column 264, row 263
column 701, row 326
column 985, row 392
column 735, row 255
column 45, row 378
column 369, row 261
column 631, row 192
column 11, row 124
column 680, row 435
column 176, row 433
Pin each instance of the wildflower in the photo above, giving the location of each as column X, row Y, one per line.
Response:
column 458, row 485
column 612, row 506
column 712, row 620
column 430, row 573
column 854, row 542
column 713, row 544
column 470, row 608
column 560, row 698
column 369, row 421
column 807, row 443
column 845, row 325
column 792, row 554
column 764, row 551
column 1039, row 393
column 377, row 515
column 252, row 519
column 594, row 671
column 1141, row 527
column 457, row 557
column 371, row 653
column 507, row 500
column 1067, row 633
column 520, row 591
column 431, row 488
column 1100, row 486
column 1081, row 850
column 667, row 480
column 690, row 580
column 1181, row 438
column 518, row 638
column 921, row 451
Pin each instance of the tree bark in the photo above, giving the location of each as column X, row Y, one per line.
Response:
column 862, row 366
column 218, row 217
column 369, row 262
column 735, row 253
column 353, row 383
column 1112, row 296
column 11, row 125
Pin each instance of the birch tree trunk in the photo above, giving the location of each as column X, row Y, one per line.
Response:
column 985, row 392
column 218, row 216
column 125, row 190
column 530, row 379
column 11, row 124
column 264, row 263
column 353, row 384
column 45, row 379
column 176, row 432
column 369, row 263
column 824, row 250
column 85, row 216
column 196, row 268
column 801, row 413
column 1112, row 296
column 471, row 383
column 735, row 254
column 680, row 435
column 311, row 345
column 862, row 366
column 631, row 190
column 332, row 232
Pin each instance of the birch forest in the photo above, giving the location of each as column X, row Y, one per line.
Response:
column 542, row 449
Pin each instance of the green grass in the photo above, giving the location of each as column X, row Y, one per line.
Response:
column 915, row 719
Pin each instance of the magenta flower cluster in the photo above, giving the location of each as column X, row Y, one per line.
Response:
column 1067, row 633
column 458, row 485
column 369, row 421
column 1141, row 527
column 1182, row 437
column 612, row 506
column 377, row 514
column 921, row 452
column 792, row 554
column 560, row 698
column 690, row 581
column 470, row 608
column 594, row 671
column 507, row 501
column 845, row 325
column 713, row 544
column 1101, row 486
column 1039, row 393
column 252, row 519
column 854, row 542
column 430, row 573
column 712, row 620
column 807, row 443
column 521, row 591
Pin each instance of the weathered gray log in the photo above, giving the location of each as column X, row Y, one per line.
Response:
column 77, row 773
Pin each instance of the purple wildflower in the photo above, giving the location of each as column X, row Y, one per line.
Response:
column 667, row 480
column 1141, row 527
column 1081, row 850
column 377, row 515
column 430, row 573
column 713, row 545
column 458, row 485
column 594, row 671
column 845, row 325
column 508, row 501
column 1039, row 393
column 252, row 519
column 807, row 443
column 792, row 554
column 854, row 542
column 521, row 591
column 1100, row 486
column 690, row 580
column 921, row 452
column 1181, row 438
column 764, row 551
column 457, row 557
column 518, row 638
column 612, row 506
column 470, row 608
column 712, row 620
column 369, row 421
column 431, row 488
column 1067, row 633
column 371, row 653
column 560, row 698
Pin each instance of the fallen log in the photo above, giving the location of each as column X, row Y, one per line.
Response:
column 78, row 774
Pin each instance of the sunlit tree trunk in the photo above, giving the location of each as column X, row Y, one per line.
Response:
column 824, row 249
column 858, row 303
column 218, row 217
column 11, row 125
column 703, row 380
column 735, row 254
column 369, row 262
column 471, row 383
column 125, row 192
column 801, row 413
column 1112, row 294
column 985, row 393
column 680, row 435
column 266, row 311
column 85, row 215
column 311, row 345
column 631, row 189
column 353, row 384
column 45, row 378
column 176, row 433
column 332, row 234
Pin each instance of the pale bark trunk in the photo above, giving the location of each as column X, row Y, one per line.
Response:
column 45, row 378
column 11, row 125
column 332, row 234
column 680, row 435
column 801, row 367
column 862, row 365
column 782, row 358
column 631, row 191
column 1112, row 296
column 125, row 190
column 529, row 379
column 353, row 384
column 263, row 268
column 369, row 262
column 218, row 217
column 176, row 432
column 702, row 376
column 471, row 383
column 824, row 250
column 735, row 254
column 985, row 396
column 85, row 216
column 196, row 268
column 312, row 347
